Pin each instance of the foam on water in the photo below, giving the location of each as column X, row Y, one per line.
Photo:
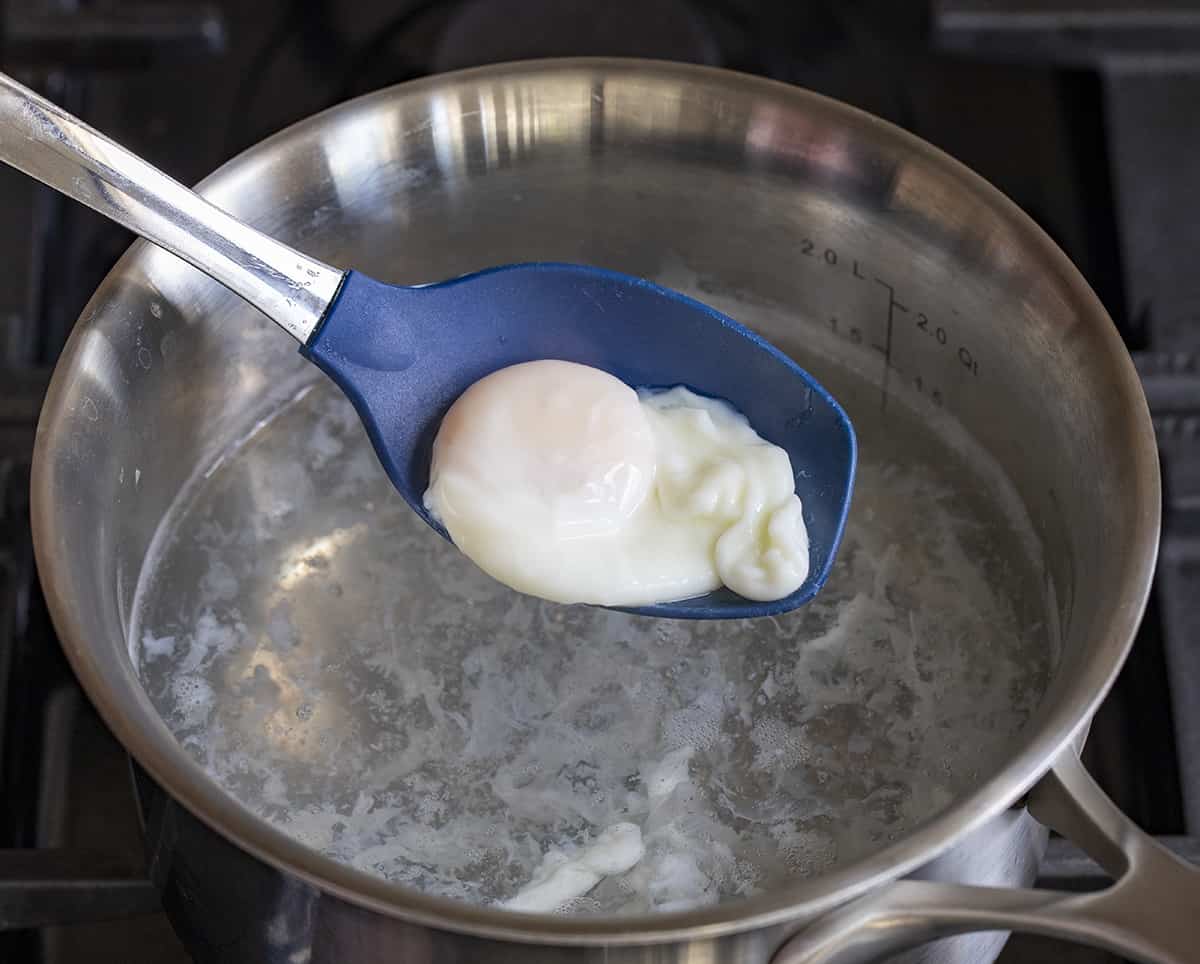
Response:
column 351, row 678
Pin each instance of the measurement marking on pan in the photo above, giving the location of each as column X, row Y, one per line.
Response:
column 827, row 258
column 886, row 348
column 854, row 335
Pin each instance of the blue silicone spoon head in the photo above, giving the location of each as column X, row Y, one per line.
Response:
column 404, row 354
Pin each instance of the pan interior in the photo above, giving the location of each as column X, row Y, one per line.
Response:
column 349, row 677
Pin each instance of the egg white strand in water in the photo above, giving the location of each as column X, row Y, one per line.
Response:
column 562, row 878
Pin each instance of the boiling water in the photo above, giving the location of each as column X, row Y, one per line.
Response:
column 348, row 676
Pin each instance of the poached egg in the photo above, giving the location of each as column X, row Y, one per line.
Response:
column 563, row 482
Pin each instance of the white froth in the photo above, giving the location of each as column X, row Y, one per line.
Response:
column 662, row 779
column 193, row 701
column 389, row 706
column 156, row 647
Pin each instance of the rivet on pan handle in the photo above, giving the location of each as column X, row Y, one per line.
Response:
column 1151, row 912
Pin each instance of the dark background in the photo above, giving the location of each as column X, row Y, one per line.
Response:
column 1087, row 114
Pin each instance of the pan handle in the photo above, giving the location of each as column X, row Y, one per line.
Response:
column 1151, row 913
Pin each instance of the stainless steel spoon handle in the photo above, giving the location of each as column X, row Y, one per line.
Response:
column 46, row 142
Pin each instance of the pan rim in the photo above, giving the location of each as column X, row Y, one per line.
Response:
column 187, row 783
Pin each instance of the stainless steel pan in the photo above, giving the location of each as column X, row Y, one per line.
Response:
column 864, row 238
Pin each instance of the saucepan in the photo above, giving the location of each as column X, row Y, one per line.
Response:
column 916, row 291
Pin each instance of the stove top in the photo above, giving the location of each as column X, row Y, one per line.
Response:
column 1077, row 110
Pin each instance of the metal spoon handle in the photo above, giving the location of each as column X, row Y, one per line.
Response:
column 46, row 142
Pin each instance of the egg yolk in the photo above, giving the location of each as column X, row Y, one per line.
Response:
column 563, row 482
